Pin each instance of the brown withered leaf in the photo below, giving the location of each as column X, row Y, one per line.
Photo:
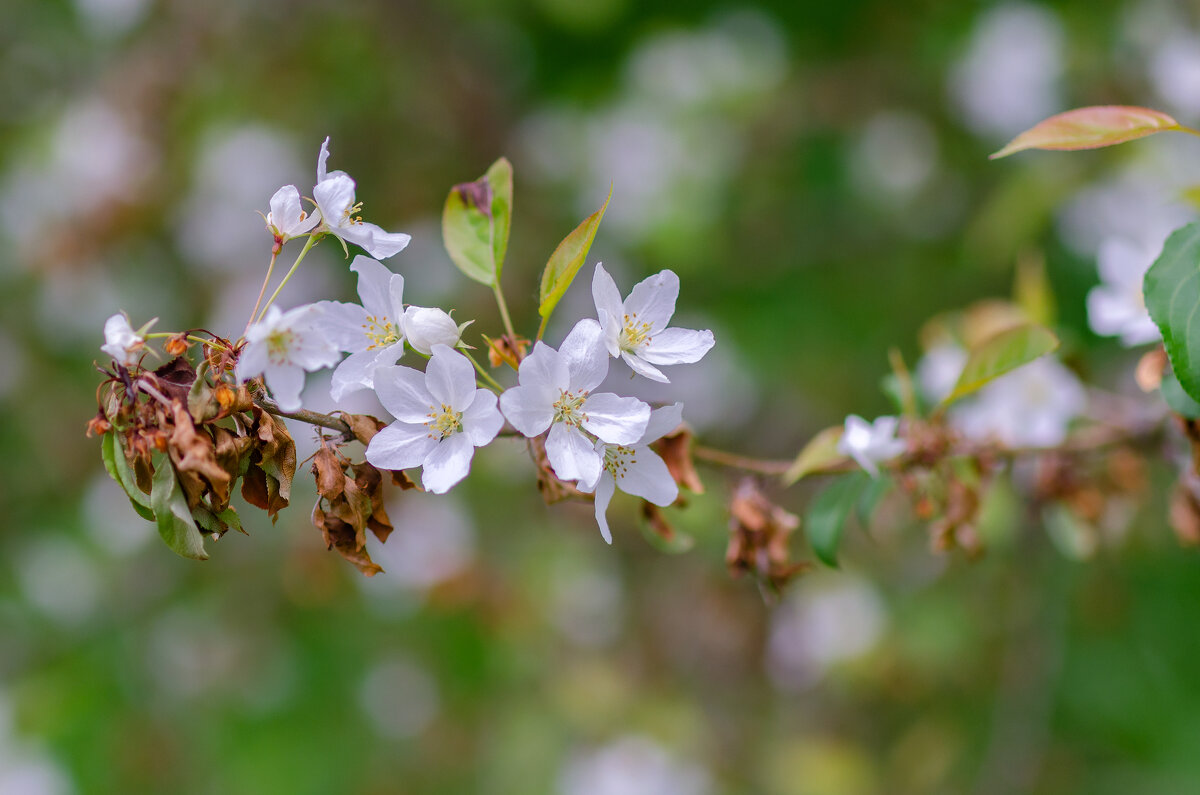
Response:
column 506, row 350
column 370, row 481
column 175, row 378
column 275, row 458
column 658, row 523
column 676, row 451
column 364, row 426
column 254, row 489
column 342, row 537
column 353, row 508
column 400, row 478
column 760, row 532
column 194, row 454
column 231, row 450
column 329, row 471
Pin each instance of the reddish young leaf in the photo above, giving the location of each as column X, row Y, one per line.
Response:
column 1090, row 128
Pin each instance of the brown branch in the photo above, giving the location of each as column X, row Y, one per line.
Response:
column 734, row 461
column 304, row 415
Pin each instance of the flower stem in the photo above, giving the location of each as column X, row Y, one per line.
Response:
column 492, row 383
column 542, row 327
column 261, row 292
column 508, row 326
column 308, row 244
column 192, row 337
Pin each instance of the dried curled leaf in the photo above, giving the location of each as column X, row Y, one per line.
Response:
column 676, row 451
column 342, row 537
column 760, row 532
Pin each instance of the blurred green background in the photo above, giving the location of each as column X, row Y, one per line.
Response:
column 816, row 173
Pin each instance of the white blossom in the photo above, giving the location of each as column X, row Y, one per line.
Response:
column 1029, row 407
column 939, row 369
column 428, row 326
column 120, row 340
column 636, row 329
column 636, row 469
column 441, row 417
column 287, row 218
column 871, row 443
column 371, row 332
column 334, row 194
column 555, row 392
column 1116, row 307
column 282, row 346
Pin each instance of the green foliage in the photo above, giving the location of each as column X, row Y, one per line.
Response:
column 175, row 523
column 1172, row 294
column 1000, row 354
column 820, row 454
column 118, row 470
column 827, row 514
column 1179, row 401
column 476, row 221
column 567, row 259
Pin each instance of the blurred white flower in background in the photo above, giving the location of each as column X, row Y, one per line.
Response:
column 1031, row 406
column 111, row 17
column 434, row 541
column 92, row 157
column 871, row 443
column 632, row 765
column 58, row 577
column 895, row 156
column 817, row 627
column 399, row 697
column 1175, row 72
column 1008, row 78
column 1116, row 307
column 235, row 171
column 25, row 768
column 938, row 371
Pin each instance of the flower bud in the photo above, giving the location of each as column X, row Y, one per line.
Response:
column 177, row 344
column 425, row 327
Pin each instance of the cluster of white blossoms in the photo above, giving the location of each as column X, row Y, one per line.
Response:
column 1116, row 307
column 441, row 414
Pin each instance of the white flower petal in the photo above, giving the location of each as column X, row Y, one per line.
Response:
column 528, row 408
column 645, row 475
column 662, row 421
column 583, row 351
column 322, row 156
column 482, row 421
column 652, row 300
column 375, row 286
column 616, row 420
column 400, row 446
column 605, row 489
column 377, row 242
column 447, row 463
column 543, row 369
column 335, row 196
column 450, row 378
column 677, row 346
column 356, row 372
column 571, row 454
column 642, row 368
column 607, row 298
column 285, row 382
column 612, row 332
column 251, row 361
column 403, row 393
column 343, row 325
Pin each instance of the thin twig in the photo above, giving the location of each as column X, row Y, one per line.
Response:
column 722, row 458
column 304, row 415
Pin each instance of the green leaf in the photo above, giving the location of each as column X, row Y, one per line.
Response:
column 567, row 259
column 1000, row 354
column 118, row 470
column 1172, row 293
column 500, row 177
column 872, row 493
column 475, row 223
column 818, row 455
column 1090, row 128
column 1177, row 400
column 826, row 517
column 175, row 523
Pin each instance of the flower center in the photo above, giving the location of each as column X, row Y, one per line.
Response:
column 633, row 334
column 349, row 217
column 279, row 344
column 568, row 408
column 381, row 332
column 617, row 459
column 443, row 423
